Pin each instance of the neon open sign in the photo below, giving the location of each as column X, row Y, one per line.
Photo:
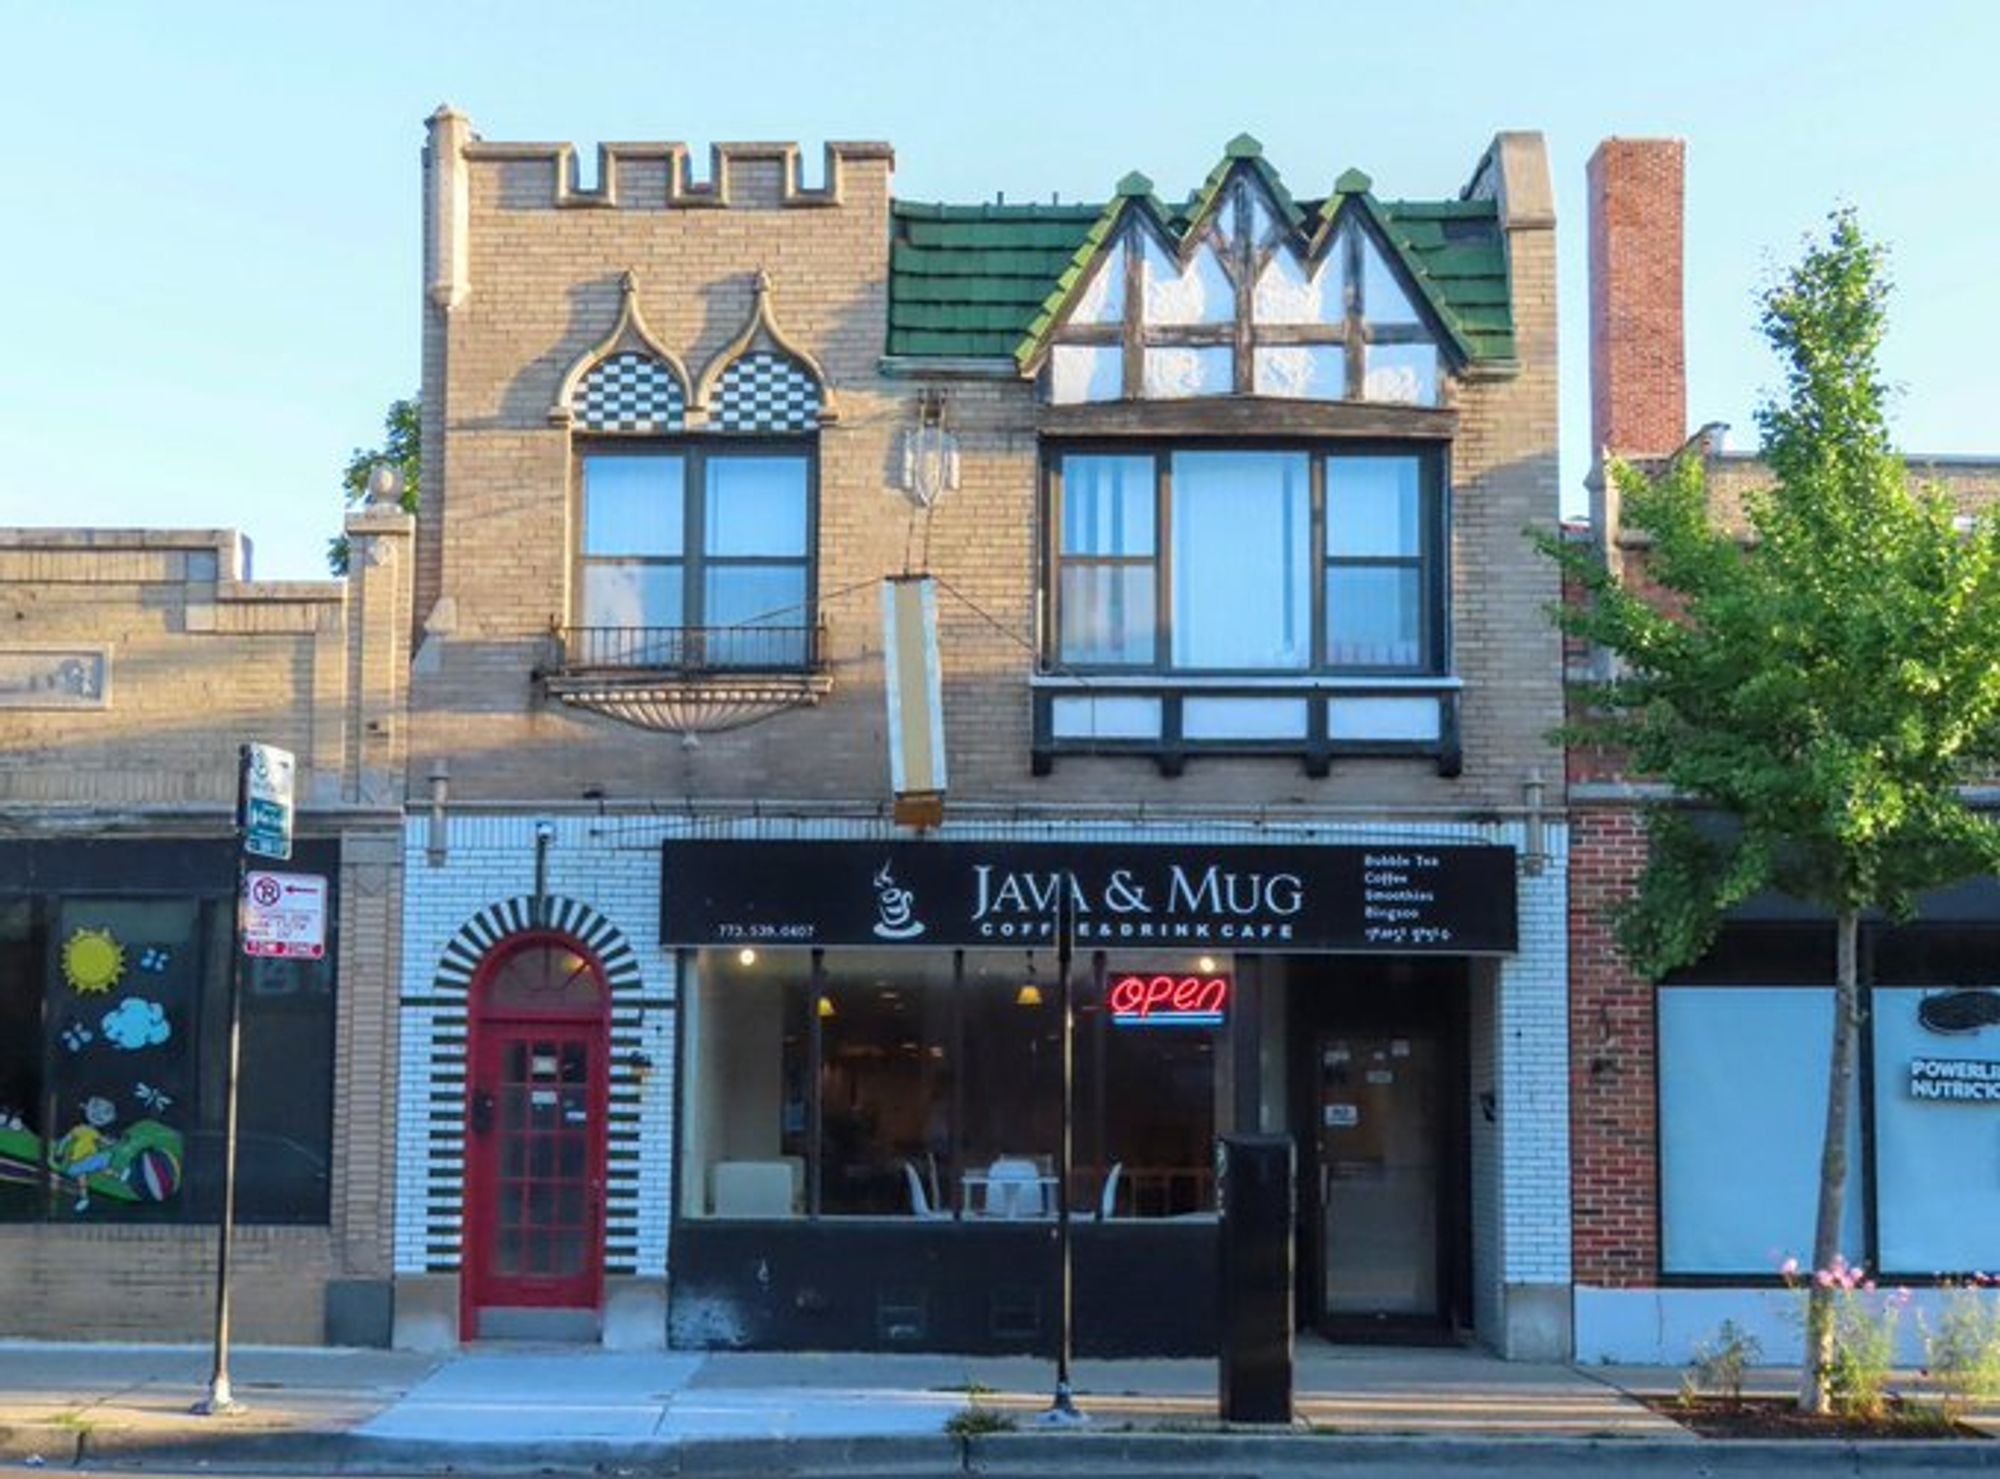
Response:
column 1168, row 1000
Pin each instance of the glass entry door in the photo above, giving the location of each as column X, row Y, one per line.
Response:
column 1380, row 1148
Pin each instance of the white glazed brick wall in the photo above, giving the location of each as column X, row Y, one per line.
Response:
column 606, row 888
column 1532, row 1047
column 611, row 863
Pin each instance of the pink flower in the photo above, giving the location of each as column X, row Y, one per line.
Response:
column 1868, row 1285
column 1824, row 1278
column 1789, row 1267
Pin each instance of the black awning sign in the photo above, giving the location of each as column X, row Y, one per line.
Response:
column 1394, row 899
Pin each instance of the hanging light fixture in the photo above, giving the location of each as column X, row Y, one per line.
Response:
column 825, row 1007
column 1030, row 994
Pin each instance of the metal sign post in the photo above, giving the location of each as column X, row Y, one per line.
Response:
column 1062, row 1409
column 263, row 827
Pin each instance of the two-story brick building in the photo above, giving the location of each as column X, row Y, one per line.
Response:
column 133, row 664
column 1219, row 623
column 1700, row 1101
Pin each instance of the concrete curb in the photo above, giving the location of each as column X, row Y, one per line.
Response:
column 1208, row 1454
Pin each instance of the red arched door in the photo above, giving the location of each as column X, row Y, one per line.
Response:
column 534, row 1142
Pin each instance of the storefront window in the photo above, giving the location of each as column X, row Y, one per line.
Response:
column 927, row 1084
column 1937, row 1099
column 113, row 1036
column 885, row 1083
column 1742, row 1117
column 748, row 1094
column 1159, row 1092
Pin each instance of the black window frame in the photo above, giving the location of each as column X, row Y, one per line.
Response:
column 1433, row 545
column 694, row 562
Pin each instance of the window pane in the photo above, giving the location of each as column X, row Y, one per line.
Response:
column 632, row 596
column 1159, row 1097
column 1403, row 373
column 1383, row 300
column 755, row 616
column 1374, row 616
column 632, row 505
column 1013, row 1084
column 885, row 1084
column 1742, row 1116
column 124, row 1004
column 1107, row 505
column 21, row 1096
column 1930, row 1130
column 1314, row 372
column 1107, row 613
column 748, row 1086
column 1242, row 594
column 284, row 1154
column 1200, row 293
column 1372, row 506
column 1085, row 372
column 756, row 506
column 1172, row 372
column 755, row 595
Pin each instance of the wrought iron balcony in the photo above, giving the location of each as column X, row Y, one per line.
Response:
column 738, row 649
column 688, row 680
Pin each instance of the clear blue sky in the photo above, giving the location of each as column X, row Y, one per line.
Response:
column 209, row 216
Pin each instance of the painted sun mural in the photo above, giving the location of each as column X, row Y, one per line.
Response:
column 92, row 961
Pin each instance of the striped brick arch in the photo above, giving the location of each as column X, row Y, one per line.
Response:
column 444, row 1182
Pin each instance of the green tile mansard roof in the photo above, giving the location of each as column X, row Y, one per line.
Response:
column 990, row 281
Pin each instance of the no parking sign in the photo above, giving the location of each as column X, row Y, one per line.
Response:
column 284, row 915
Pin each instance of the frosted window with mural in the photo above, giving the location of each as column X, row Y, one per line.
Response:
column 113, row 1032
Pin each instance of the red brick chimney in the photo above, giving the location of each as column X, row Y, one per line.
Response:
column 1638, row 352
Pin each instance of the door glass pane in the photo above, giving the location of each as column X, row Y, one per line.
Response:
column 1378, row 1169
column 756, row 506
column 633, row 505
column 631, row 596
column 1107, row 613
column 1242, row 591
column 1374, row 616
column 1372, row 506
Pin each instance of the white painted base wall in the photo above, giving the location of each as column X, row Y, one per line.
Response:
column 1661, row 1327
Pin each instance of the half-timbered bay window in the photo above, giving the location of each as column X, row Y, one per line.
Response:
column 696, row 557
column 1284, row 598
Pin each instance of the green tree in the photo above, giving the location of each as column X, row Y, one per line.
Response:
column 402, row 437
column 1815, row 690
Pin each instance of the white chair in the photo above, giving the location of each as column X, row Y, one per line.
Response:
column 1107, row 1199
column 753, row 1189
column 1014, row 1189
column 920, row 1202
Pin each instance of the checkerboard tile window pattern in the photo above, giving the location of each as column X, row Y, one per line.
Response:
column 630, row 392
column 765, row 392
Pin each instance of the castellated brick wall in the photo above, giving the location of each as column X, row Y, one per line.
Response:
column 132, row 664
column 524, row 275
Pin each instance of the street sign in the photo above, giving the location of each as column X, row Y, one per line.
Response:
column 284, row 915
column 266, row 795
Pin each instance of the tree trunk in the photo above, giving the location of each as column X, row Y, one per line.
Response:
column 1813, row 1394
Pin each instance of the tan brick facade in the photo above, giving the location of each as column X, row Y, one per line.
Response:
column 182, row 661
column 530, row 271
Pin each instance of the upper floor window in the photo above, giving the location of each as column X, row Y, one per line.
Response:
column 1283, row 560
column 698, row 555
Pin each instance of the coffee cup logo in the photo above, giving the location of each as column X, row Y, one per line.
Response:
column 895, row 909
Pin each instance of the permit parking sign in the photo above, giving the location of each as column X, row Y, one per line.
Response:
column 284, row 915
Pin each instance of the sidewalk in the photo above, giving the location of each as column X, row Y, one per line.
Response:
column 514, row 1407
